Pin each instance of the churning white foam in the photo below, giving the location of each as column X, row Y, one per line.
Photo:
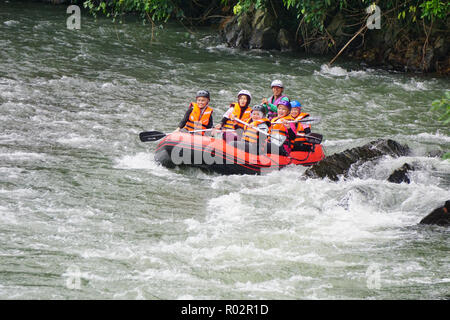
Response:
column 10, row 23
column 79, row 141
column 327, row 71
column 412, row 85
column 141, row 160
column 145, row 161
column 437, row 137
column 16, row 156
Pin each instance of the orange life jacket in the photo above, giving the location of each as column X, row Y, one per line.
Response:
column 230, row 124
column 199, row 118
column 279, row 128
column 300, row 129
column 302, row 115
column 250, row 134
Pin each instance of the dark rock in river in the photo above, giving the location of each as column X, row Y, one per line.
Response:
column 401, row 174
column 439, row 216
column 435, row 154
column 339, row 163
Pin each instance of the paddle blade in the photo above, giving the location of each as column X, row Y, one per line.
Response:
column 315, row 138
column 151, row 136
column 309, row 120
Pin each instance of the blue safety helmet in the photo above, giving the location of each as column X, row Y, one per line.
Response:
column 295, row 104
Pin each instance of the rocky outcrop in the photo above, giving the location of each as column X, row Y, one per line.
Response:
column 439, row 216
column 387, row 47
column 412, row 56
column 256, row 29
column 401, row 174
column 339, row 164
column 285, row 40
column 237, row 33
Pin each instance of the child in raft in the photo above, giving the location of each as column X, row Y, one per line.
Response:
column 298, row 143
column 279, row 133
column 198, row 117
column 255, row 131
column 238, row 110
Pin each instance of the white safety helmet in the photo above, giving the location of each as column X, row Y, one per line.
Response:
column 247, row 93
column 277, row 83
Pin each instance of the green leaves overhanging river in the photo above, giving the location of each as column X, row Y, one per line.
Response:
column 85, row 212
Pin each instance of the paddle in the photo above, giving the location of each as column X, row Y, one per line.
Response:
column 306, row 120
column 257, row 129
column 314, row 138
column 157, row 135
column 151, row 136
column 311, row 138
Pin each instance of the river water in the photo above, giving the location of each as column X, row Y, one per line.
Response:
column 85, row 212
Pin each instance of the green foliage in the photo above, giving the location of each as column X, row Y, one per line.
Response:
column 434, row 9
column 314, row 13
column 443, row 105
column 245, row 5
column 157, row 10
column 421, row 9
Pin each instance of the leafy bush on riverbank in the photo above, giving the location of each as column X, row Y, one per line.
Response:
column 412, row 37
column 443, row 106
column 155, row 10
column 311, row 12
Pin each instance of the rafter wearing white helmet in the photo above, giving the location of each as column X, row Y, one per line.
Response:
column 276, row 83
column 247, row 93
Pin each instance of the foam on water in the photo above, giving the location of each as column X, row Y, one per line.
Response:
column 327, row 71
column 11, row 23
column 240, row 224
column 16, row 156
column 142, row 160
column 412, row 85
column 436, row 137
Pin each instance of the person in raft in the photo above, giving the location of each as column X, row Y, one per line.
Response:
column 238, row 110
column 198, row 116
column 298, row 143
column 255, row 132
column 272, row 103
column 279, row 133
